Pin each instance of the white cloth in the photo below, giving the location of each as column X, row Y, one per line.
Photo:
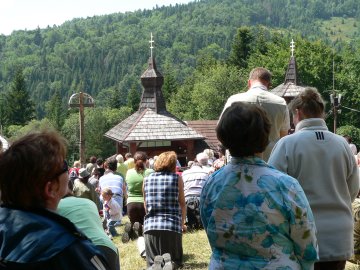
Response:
column 326, row 169
column 115, row 183
column 194, row 180
column 275, row 107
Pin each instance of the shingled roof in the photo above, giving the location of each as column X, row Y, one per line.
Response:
column 207, row 129
column 152, row 122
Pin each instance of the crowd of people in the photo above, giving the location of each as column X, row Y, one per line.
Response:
column 266, row 199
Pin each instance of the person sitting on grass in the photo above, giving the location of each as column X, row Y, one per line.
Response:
column 112, row 211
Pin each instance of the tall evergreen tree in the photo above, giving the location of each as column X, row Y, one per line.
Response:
column 20, row 107
column 241, row 47
column 55, row 111
column 133, row 98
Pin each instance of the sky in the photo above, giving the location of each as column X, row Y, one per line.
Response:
column 29, row 14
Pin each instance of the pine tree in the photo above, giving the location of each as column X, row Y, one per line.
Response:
column 20, row 107
column 133, row 98
column 55, row 111
column 241, row 47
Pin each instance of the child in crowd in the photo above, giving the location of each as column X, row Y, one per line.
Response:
column 112, row 211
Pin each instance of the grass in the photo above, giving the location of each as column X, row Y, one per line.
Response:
column 195, row 246
column 338, row 28
column 196, row 252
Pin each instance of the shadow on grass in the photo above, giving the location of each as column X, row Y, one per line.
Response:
column 190, row 264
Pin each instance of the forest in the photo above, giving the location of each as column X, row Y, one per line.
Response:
column 204, row 49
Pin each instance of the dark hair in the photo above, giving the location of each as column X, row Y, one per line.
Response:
column 244, row 129
column 26, row 167
column 99, row 161
column 128, row 155
column 260, row 73
column 309, row 102
column 112, row 164
column 92, row 159
column 140, row 161
column 166, row 162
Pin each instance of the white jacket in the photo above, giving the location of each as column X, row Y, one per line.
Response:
column 326, row 169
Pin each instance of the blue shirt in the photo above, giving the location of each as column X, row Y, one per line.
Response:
column 163, row 210
column 256, row 217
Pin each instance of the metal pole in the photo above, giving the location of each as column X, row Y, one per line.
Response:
column 82, row 137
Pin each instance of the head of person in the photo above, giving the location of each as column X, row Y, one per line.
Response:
column 202, row 159
column 93, row 159
column 166, row 162
column 34, row 173
column 128, row 155
column 308, row 104
column 244, row 129
column 120, row 158
column 260, row 75
column 99, row 162
column 106, row 193
column 96, row 173
column 111, row 164
column 140, row 159
column 84, row 175
column 210, row 153
column 77, row 164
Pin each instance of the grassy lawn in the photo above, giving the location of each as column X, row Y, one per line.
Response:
column 196, row 252
column 195, row 246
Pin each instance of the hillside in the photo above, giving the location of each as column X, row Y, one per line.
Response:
column 105, row 55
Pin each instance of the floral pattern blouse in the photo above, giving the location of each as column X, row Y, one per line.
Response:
column 257, row 217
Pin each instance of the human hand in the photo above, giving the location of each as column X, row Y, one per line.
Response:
column 184, row 228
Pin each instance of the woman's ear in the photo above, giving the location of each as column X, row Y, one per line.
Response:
column 50, row 189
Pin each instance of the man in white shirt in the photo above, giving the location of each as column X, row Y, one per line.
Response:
column 114, row 182
column 275, row 106
column 194, row 180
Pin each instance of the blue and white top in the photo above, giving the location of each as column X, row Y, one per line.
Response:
column 256, row 217
column 163, row 210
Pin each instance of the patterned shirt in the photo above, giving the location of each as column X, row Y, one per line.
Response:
column 257, row 218
column 162, row 202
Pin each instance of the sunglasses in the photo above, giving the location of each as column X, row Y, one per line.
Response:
column 63, row 170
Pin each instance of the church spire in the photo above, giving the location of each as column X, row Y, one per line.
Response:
column 152, row 81
column 291, row 73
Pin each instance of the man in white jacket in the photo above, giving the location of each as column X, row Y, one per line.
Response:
column 326, row 169
column 275, row 106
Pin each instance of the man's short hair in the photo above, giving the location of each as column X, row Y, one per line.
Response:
column 26, row 167
column 261, row 74
column 112, row 164
column 244, row 129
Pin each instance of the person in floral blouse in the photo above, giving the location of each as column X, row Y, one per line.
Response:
column 255, row 216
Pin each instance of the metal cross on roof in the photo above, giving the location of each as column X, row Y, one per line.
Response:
column 292, row 46
column 151, row 41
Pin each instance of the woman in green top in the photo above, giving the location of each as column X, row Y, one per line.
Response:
column 135, row 201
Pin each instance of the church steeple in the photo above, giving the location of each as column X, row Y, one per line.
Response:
column 152, row 81
column 291, row 73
